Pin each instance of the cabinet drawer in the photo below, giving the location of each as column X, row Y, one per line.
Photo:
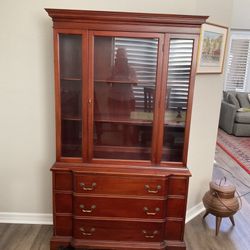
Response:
column 118, row 230
column 119, row 207
column 108, row 184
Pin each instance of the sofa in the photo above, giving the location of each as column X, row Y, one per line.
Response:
column 235, row 113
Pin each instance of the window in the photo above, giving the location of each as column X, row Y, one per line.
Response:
column 237, row 72
column 145, row 65
column 142, row 56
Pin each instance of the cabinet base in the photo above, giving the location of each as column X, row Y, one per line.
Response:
column 67, row 243
column 60, row 243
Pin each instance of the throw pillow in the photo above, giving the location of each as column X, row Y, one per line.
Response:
column 243, row 100
column 233, row 100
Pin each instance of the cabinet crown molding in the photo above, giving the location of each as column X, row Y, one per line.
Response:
column 60, row 15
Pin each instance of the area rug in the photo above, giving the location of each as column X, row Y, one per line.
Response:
column 237, row 148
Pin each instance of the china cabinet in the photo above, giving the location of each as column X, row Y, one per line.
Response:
column 123, row 89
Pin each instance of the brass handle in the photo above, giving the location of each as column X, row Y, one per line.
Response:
column 90, row 233
column 151, row 236
column 151, row 213
column 87, row 210
column 92, row 187
column 155, row 191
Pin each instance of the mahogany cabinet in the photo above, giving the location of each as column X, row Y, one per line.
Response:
column 123, row 89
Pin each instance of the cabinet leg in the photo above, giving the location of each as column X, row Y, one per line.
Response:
column 60, row 243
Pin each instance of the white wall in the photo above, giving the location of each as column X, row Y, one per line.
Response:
column 240, row 16
column 206, row 108
column 27, row 136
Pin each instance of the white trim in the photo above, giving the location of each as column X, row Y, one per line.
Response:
column 194, row 211
column 26, row 218
column 46, row 219
column 238, row 35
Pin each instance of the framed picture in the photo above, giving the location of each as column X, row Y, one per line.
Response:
column 212, row 48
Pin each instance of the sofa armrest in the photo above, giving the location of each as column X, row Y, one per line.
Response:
column 227, row 116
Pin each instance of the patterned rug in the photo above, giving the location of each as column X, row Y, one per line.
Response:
column 237, row 148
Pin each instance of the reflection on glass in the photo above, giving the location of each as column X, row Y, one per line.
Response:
column 121, row 100
column 124, row 86
column 71, row 94
column 179, row 70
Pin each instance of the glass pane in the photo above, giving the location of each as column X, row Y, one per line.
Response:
column 179, row 70
column 124, row 89
column 71, row 94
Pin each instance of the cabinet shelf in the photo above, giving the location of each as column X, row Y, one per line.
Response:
column 71, row 118
column 71, row 150
column 116, row 81
column 115, row 152
column 71, row 79
column 138, row 122
column 121, row 120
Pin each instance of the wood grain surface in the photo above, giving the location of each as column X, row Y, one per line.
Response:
column 199, row 234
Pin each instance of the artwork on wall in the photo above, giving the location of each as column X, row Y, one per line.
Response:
column 211, row 48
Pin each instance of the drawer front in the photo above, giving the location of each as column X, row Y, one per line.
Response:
column 119, row 207
column 107, row 184
column 118, row 230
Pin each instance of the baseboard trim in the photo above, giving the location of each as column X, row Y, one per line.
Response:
column 194, row 211
column 46, row 219
column 26, row 218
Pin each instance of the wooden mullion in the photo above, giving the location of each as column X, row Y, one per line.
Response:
column 90, row 98
column 157, row 101
column 57, row 95
column 162, row 100
column 84, row 95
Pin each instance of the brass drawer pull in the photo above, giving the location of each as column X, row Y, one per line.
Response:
column 87, row 210
column 90, row 233
column 158, row 187
column 151, row 213
column 151, row 236
column 92, row 187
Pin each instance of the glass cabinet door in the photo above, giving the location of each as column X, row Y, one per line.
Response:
column 124, row 89
column 176, row 99
column 70, row 60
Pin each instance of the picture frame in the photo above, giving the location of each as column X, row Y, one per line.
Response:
column 212, row 46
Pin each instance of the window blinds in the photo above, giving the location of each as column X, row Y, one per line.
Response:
column 179, row 69
column 142, row 56
column 238, row 64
